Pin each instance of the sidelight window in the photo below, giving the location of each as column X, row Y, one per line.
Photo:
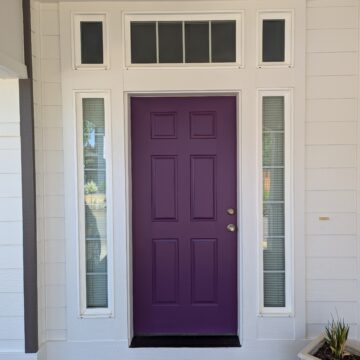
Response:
column 275, row 201
column 191, row 39
column 95, row 235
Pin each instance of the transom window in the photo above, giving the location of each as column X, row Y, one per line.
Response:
column 275, row 31
column 194, row 39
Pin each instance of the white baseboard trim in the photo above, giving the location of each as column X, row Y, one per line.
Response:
column 115, row 350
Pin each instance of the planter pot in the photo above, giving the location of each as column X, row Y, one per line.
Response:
column 353, row 347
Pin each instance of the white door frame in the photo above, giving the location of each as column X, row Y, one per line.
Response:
column 128, row 157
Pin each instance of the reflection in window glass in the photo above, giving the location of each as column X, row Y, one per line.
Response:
column 95, row 202
column 273, row 132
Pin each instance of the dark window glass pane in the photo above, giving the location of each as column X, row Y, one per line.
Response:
column 91, row 42
column 223, row 41
column 196, row 42
column 273, row 40
column 143, row 42
column 170, row 42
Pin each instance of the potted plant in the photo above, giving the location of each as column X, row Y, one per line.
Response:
column 333, row 344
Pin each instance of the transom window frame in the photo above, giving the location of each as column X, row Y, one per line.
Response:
column 237, row 16
column 76, row 40
column 288, row 16
column 288, row 309
column 84, row 311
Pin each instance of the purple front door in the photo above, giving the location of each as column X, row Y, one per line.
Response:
column 183, row 185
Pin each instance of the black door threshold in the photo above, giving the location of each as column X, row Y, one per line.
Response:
column 191, row 341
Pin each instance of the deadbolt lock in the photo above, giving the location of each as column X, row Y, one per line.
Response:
column 231, row 211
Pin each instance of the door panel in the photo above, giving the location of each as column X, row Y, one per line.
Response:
column 184, row 180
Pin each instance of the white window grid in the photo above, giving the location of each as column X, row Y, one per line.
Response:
column 237, row 16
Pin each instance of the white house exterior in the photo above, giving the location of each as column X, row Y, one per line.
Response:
column 318, row 81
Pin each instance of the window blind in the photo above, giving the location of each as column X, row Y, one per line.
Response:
column 273, row 134
column 95, row 202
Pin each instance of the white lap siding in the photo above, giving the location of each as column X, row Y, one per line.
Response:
column 49, row 169
column 11, row 250
column 331, row 163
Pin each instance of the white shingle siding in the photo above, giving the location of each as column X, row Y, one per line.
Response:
column 331, row 162
column 11, row 250
column 49, row 168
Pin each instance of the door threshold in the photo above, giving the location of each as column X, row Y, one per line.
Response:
column 179, row 341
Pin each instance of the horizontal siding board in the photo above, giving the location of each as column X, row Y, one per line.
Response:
column 53, row 139
column 10, row 185
column 9, row 129
column 329, row 269
column 331, row 110
column 51, row 115
column 331, row 290
column 50, row 70
column 322, row 64
column 56, row 318
column 331, row 133
column 11, row 209
column 331, row 3
column 12, row 328
column 11, row 304
column 332, row 18
column 54, row 229
column 54, row 161
column 50, row 47
column 321, row 312
column 11, row 233
column 331, row 156
column 11, row 257
column 56, row 334
column 331, row 246
column 10, row 143
column 55, row 251
column 55, row 273
column 331, row 179
column 10, row 161
column 331, row 201
column 11, row 281
column 338, row 224
column 331, row 87
column 55, row 295
column 332, row 40
column 313, row 330
column 54, row 206
column 51, row 94
column 54, row 184
column 9, row 345
column 49, row 22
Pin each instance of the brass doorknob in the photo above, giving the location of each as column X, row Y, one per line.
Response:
column 231, row 228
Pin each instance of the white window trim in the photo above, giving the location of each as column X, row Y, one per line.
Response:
column 77, row 19
column 85, row 312
column 237, row 15
column 288, row 310
column 288, row 16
